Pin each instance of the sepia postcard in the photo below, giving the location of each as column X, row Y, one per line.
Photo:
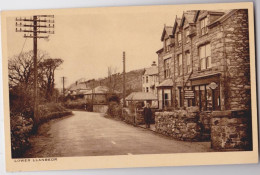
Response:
column 139, row 86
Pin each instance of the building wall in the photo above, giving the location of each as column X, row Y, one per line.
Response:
column 230, row 62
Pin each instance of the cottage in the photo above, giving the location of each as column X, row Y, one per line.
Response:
column 205, row 61
column 150, row 79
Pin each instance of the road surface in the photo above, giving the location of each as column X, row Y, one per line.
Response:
column 91, row 134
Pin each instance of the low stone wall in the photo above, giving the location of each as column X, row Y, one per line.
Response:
column 100, row 108
column 231, row 130
column 179, row 124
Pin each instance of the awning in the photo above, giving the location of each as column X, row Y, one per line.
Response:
column 166, row 83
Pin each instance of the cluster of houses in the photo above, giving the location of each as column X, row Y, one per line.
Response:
column 204, row 61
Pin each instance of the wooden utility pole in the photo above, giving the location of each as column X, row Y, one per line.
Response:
column 124, row 103
column 63, row 86
column 33, row 28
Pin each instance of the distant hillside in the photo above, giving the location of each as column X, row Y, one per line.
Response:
column 133, row 82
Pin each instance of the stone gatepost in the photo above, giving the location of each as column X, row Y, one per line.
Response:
column 231, row 130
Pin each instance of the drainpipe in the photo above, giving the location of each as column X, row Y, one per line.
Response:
column 225, row 89
column 182, row 38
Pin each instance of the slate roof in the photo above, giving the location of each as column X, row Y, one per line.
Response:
column 141, row 96
column 77, row 86
column 151, row 70
column 166, row 83
column 99, row 90
column 166, row 30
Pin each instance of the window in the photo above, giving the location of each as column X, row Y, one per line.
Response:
column 167, row 71
column 188, row 62
column 179, row 38
column 205, row 98
column 167, row 43
column 143, row 80
column 205, row 56
column 179, row 64
column 147, row 79
column 147, row 89
column 203, row 26
column 187, row 32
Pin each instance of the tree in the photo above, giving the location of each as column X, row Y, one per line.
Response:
column 48, row 67
column 112, row 78
column 21, row 75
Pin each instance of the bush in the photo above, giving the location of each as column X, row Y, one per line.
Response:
column 79, row 104
column 50, row 111
column 115, row 110
column 21, row 128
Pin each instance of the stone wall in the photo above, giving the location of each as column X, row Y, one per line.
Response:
column 100, row 108
column 179, row 124
column 231, row 130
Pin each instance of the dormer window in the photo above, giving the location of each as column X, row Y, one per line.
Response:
column 167, row 43
column 179, row 38
column 203, row 26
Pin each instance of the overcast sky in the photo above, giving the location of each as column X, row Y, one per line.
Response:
column 90, row 42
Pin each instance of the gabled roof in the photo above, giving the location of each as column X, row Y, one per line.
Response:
column 99, row 90
column 224, row 17
column 151, row 70
column 212, row 12
column 141, row 96
column 166, row 30
column 77, row 86
column 189, row 16
column 176, row 24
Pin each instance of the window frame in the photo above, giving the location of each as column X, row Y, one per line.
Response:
column 187, row 33
column 207, row 58
column 180, row 66
column 188, row 66
column 204, row 25
column 167, row 68
column 179, row 38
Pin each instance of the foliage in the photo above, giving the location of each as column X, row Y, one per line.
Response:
column 21, row 76
column 113, row 98
column 22, row 126
column 79, row 104
column 115, row 110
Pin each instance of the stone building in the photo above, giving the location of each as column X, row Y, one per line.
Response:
column 205, row 61
column 150, row 79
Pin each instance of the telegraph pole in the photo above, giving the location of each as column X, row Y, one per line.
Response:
column 63, row 86
column 124, row 103
column 32, row 27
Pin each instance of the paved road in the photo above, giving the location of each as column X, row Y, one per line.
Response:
column 90, row 134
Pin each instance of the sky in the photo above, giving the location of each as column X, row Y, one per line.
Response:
column 91, row 41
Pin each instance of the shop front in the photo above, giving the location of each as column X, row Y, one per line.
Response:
column 206, row 91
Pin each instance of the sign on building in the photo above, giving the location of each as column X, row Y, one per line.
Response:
column 188, row 94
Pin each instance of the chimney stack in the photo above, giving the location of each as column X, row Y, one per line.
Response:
column 154, row 63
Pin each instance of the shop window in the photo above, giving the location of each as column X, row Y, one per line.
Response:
column 203, row 26
column 180, row 64
column 205, row 56
column 207, row 99
column 167, row 70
